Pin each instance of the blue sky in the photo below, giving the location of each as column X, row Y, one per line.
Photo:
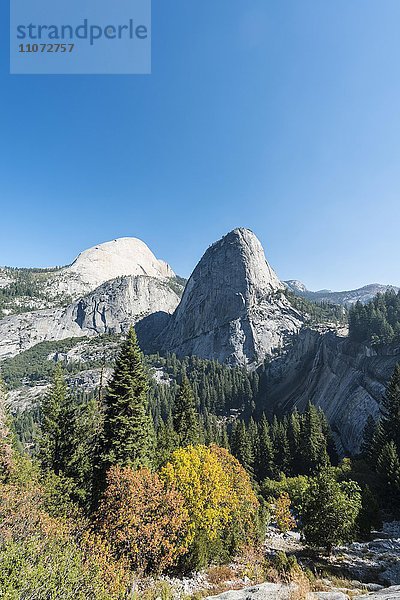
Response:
column 278, row 115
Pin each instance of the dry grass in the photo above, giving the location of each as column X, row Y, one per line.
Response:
column 220, row 574
column 252, row 565
column 302, row 587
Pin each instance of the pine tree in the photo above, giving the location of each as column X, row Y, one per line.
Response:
column 391, row 409
column 314, row 445
column 241, row 445
column 166, row 441
column 367, row 445
column 128, row 437
column 264, row 462
column 54, row 419
column 294, row 438
column 252, row 433
column 280, row 443
column 388, row 466
column 79, row 447
column 185, row 417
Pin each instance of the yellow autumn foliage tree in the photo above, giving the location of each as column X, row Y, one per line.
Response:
column 283, row 516
column 218, row 497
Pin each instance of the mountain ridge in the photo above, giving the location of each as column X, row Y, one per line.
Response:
column 344, row 298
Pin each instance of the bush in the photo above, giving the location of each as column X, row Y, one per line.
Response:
column 143, row 520
column 45, row 557
column 330, row 511
column 283, row 516
column 295, row 487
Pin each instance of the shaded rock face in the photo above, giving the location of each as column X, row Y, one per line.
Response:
column 111, row 308
column 346, row 380
column 233, row 308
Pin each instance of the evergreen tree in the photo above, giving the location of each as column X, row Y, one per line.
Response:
column 314, row 444
column 54, row 422
column 128, row 436
column 252, row 434
column 389, row 468
column 80, row 445
column 294, row 437
column 241, row 445
column 391, row 409
column 369, row 517
column 280, row 442
column 166, row 441
column 185, row 417
column 264, row 461
column 367, row 445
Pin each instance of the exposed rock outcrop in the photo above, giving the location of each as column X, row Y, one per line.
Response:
column 346, row 380
column 111, row 308
column 391, row 593
column 124, row 256
column 55, row 287
column 263, row 591
column 233, row 308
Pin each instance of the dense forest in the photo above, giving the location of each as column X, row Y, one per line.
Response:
column 129, row 481
column 377, row 322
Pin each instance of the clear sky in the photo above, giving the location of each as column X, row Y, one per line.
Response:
column 278, row 115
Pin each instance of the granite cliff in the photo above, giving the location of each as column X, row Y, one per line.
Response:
column 233, row 308
column 345, row 379
column 111, row 308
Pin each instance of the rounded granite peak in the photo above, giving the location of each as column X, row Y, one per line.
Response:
column 117, row 258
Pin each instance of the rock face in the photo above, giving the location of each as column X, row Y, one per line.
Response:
column 104, row 262
column 111, row 308
column 124, row 256
column 346, row 380
column 55, row 287
column 233, row 308
column 376, row 560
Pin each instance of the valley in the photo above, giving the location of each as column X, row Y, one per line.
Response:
column 288, row 399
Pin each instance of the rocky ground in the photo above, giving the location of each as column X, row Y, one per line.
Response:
column 361, row 571
column 273, row 591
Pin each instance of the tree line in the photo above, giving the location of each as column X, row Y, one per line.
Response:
column 377, row 322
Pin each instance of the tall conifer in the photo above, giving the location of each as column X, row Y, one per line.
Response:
column 391, row 407
column 54, row 420
column 128, row 437
column 185, row 417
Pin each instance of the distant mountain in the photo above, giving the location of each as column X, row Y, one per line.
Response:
column 26, row 290
column 346, row 298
